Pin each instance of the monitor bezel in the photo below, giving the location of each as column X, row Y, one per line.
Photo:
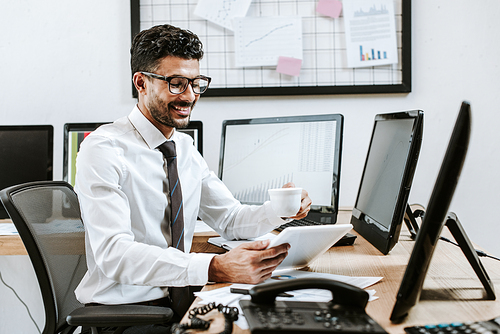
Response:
column 316, row 210
column 198, row 126
column 384, row 240
column 435, row 216
column 50, row 152
column 69, row 127
column 92, row 126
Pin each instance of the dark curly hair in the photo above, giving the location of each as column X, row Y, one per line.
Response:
column 151, row 45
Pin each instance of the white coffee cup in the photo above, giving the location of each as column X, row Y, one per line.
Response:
column 285, row 201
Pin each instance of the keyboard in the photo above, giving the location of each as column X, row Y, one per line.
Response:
column 346, row 240
column 474, row 327
column 298, row 222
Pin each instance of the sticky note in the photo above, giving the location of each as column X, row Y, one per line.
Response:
column 289, row 65
column 330, row 8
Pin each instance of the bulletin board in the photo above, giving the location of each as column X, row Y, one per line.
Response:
column 324, row 68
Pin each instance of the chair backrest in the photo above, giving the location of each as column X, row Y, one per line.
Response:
column 47, row 217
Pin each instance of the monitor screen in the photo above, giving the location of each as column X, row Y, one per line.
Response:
column 434, row 217
column 26, row 155
column 195, row 130
column 75, row 133
column 387, row 177
column 264, row 153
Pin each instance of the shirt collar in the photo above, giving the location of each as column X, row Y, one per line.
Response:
column 150, row 133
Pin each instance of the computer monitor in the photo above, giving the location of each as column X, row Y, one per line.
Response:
column 263, row 153
column 387, row 177
column 435, row 218
column 26, row 155
column 74, row 133
column 195, row 130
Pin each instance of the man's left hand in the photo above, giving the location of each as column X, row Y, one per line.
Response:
column 305, row 203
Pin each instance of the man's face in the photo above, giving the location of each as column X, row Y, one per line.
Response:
column 167, row 109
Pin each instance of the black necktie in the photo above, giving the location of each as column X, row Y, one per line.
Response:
column 177, row 218
column 180, row 296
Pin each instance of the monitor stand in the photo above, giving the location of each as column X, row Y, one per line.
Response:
column 458, row 233
column 463, row 241
column 410, row 221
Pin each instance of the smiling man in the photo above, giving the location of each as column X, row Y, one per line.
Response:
column 140, row 214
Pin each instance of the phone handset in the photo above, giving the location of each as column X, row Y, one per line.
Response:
column 343, row 293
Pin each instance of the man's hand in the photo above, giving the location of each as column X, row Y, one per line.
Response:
column 250, row 263
column 305, row 204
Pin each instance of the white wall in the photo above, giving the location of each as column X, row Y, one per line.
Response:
column 67, row 61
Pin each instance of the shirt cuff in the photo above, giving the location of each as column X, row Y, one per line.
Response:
column 198, row 268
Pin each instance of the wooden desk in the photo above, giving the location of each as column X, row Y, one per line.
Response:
column 451, row 292
column 13, row 245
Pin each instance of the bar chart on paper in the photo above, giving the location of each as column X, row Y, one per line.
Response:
column 372, row 54
column 371, row 37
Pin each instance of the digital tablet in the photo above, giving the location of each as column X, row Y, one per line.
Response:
column 307, row 243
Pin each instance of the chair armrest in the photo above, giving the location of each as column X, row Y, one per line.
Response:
column 119, row 315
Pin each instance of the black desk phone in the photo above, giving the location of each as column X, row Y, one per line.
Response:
column 345, row 313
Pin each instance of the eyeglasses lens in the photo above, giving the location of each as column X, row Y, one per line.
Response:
column 179, row 85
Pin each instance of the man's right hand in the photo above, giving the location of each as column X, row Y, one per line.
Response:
column 249, row 263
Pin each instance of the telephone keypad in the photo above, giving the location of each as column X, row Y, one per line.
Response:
column 313, row 320
column 277, row 317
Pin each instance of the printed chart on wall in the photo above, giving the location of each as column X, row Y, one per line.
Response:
column 290, row 47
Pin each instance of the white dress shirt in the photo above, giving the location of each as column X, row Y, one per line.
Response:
column 121, row 185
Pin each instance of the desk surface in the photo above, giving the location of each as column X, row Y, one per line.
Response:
column 13, row 245
column 452, row 291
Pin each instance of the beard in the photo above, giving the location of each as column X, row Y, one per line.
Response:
column 162, row 113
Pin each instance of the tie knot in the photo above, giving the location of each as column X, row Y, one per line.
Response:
column 168, row 149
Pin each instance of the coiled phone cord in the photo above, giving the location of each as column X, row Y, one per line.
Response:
column 230, row 315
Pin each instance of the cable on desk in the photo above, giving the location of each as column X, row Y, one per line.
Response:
column 419, row 213
column 26, row 306
column 230, row 315
column 479, row 253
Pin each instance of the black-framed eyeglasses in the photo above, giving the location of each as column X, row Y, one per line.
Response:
column 178, row 85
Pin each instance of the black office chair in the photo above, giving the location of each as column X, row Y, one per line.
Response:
column 47, row 217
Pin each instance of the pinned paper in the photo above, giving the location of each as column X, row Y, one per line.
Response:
column 370, row 33
column 222, row 12
column 259, row 41
column 330, row 8
column 289, row 65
